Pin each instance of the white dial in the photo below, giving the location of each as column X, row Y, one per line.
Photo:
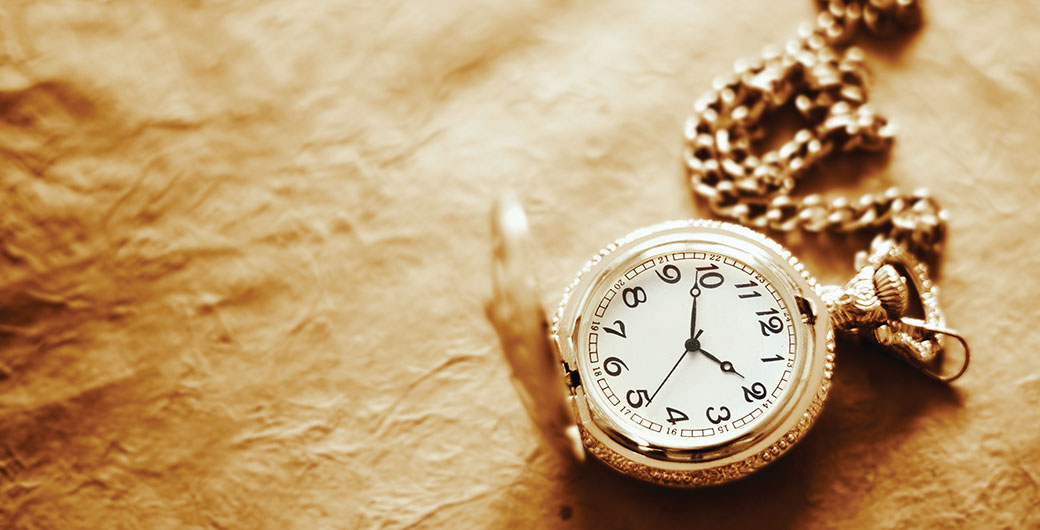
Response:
column 687, row 349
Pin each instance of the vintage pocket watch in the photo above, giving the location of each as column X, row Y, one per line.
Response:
column 692, row 353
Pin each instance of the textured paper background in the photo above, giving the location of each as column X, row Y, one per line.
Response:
column 244, row 256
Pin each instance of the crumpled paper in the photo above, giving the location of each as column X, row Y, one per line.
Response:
column 244, row 256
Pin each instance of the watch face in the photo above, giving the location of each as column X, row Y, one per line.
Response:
column 699, row 350
column 687, row 348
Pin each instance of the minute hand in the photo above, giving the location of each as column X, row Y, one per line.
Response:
column 695, row 291
column 651, row 399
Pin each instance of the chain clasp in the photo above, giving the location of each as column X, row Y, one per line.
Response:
column 875, row 302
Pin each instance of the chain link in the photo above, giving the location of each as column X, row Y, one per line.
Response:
column 829, row 92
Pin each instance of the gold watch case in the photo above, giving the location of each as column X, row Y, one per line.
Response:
column 783, row 425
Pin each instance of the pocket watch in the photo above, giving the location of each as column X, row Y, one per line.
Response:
column 695, row 352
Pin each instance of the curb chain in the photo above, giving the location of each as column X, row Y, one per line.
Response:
column 830, row 94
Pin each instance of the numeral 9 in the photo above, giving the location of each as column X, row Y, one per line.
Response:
column 670, row 274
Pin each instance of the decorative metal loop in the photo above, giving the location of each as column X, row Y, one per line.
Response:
column 946, row 366
column 875, row 301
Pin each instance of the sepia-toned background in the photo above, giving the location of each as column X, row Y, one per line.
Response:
column 244, row 259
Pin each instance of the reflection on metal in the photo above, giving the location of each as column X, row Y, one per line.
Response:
column 874, row 303
column 518, row 317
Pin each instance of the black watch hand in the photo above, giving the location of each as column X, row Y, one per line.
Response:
column 695, row 291
column 726, row 366
column 688, row 350
column 652, row 396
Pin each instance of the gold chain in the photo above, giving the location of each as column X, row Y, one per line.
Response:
column 829, row 91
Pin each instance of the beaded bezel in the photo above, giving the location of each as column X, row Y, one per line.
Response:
column 748, row 453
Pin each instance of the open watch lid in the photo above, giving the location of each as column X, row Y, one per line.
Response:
column 517, row 315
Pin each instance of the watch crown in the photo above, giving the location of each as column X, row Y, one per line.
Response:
column 892, row 291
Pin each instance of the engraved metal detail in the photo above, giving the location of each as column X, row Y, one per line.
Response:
column 722, row 472
column 875, row 301
column 727, row 472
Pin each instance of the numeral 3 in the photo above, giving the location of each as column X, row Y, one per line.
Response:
column 722, row 415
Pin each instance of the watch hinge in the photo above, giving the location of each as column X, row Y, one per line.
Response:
column 807, row 310
column 571, row 377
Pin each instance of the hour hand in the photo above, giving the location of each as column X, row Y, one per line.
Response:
column 725, row 366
